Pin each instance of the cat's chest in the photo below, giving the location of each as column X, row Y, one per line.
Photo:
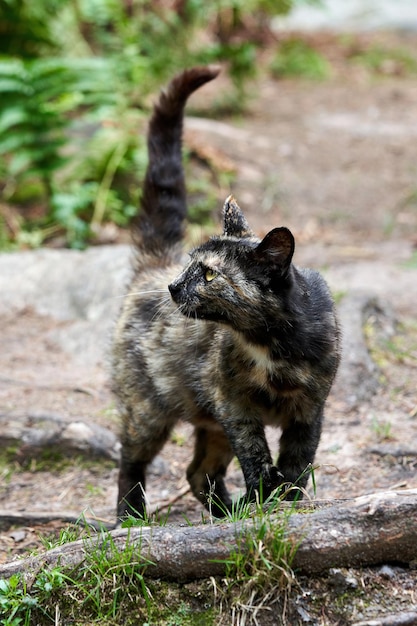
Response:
column 273, row 378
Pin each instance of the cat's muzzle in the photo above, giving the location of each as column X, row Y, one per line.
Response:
column 175, row 291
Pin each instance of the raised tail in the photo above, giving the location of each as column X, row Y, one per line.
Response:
column 160, row 223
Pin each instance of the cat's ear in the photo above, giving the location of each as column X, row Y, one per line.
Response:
column 277, row 248
column 234, row 222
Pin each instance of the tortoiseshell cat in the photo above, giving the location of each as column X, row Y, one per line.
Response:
column 242, row 339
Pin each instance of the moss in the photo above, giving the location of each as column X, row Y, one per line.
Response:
column 170, row 604
column 182, row 605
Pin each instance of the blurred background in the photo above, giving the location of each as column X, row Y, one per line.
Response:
column 77, row 79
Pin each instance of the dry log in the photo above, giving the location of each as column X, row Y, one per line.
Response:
column 368, row 530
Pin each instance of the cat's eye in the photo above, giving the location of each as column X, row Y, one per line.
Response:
column 210, row 275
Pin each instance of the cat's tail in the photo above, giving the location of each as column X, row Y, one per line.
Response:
column 160, row 223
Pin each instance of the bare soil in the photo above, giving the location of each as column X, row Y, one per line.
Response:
column 336, row 161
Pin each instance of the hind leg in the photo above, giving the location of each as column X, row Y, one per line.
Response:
column 207, row 470
column 141, row 442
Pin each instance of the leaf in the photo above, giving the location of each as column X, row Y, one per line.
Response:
column 13, row 85
column 12, row 117
column 17, row 140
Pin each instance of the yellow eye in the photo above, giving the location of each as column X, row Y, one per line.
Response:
column 210, row 275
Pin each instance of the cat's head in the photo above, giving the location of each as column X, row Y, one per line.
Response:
column 235, row 278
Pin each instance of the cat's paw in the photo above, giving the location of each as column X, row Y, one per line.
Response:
column 269, row 479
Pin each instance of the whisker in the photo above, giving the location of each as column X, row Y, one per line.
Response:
column 141, row 293
column 166, row 304
column 163, row 309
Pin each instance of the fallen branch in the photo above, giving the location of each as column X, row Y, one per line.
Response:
column 35, row 518
column 10, row 518
column 373, row 529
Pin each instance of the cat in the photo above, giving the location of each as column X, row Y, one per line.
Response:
column 232, row 340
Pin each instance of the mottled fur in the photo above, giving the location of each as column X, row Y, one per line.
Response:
column 242, row 339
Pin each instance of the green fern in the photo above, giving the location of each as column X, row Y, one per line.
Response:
column 31, row 125
column 25, row 27
column 74, row 83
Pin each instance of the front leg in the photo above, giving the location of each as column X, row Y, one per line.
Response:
column 246, row 434
column 297, row 449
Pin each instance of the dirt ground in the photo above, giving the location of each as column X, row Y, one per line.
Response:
column 334, row 160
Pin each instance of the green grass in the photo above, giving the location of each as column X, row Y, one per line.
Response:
column 99, row 591
column 18, row 603
column 111, row 586
column 387, row 60
column 150, row 519
column 382, row 429
column 394, row 346
column 259, row 572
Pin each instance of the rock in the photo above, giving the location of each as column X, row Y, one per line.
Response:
column 18, row 535
column 84, row 288
column 304, row 615
column 38, row 431
column 65, row 284
column 387, row 572
column 342, row 581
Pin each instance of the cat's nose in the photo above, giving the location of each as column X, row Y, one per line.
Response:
column 174, row 290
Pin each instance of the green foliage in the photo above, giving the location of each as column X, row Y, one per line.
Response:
column 25, row 27
column 154, row 519
column 295, row 57
column 10, row 599
column 35, row 124
column 66, row 535
column 16, row 603
column 259, row 572
column 31, row 122
column 111, row 587
column 74, row 84
column 109, row 578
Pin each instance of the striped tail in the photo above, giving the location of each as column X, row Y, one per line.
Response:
column 160, row 223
